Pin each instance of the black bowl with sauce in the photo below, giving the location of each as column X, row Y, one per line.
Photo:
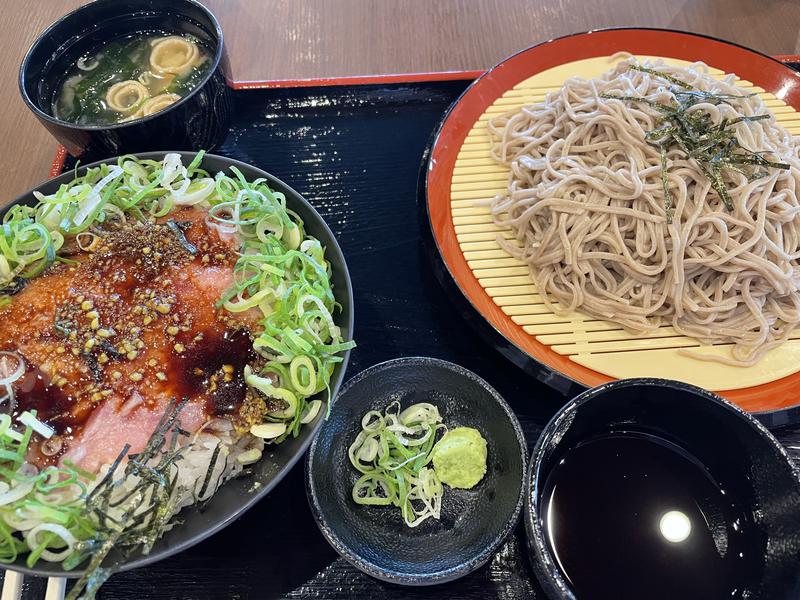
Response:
column 239, row 494
column 199, row 120
column 649, row 488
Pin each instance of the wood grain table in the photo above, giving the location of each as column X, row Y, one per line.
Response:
column 402, row 310
column 281, row 39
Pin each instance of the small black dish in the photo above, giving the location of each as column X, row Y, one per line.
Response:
column 730, row 447
column 197, row 121
column 237, row 495
column 474, row 523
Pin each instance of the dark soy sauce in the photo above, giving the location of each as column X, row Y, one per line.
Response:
column 632, row 516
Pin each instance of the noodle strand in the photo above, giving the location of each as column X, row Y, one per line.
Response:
column 586, row 205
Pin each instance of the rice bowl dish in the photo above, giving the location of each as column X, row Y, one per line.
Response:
column 162, row 325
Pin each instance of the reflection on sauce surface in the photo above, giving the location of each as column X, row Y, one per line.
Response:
column 632, row 516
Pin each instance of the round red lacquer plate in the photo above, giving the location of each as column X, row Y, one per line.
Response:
column 776, row 402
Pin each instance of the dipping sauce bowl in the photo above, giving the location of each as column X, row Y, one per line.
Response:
column 649, row 488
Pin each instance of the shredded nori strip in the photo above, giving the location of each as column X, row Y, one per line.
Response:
column 109, row 349
column 178, row 229
column 665, row 183
column 669, row 78
column 210, row 470
column 713, row 147
column 94, row 367
column 13, row 287
column 153, row 492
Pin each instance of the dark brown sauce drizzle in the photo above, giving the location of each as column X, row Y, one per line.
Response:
column 132, row 262
column 52, row 405
column 200, row 369
column 34, row 391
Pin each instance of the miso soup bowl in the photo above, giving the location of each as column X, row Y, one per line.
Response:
column 199, row 120
column 759, row 475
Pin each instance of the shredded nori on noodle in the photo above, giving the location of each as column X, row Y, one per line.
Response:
column 713, row 147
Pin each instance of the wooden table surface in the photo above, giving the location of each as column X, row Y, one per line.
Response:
column 279, row 39
column 282, row 39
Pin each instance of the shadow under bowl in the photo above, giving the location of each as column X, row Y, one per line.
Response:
column 197, row 121
column 474, row 523
column 236, row 496
column 731, row 446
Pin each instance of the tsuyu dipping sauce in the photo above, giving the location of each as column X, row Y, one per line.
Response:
column 632, row 516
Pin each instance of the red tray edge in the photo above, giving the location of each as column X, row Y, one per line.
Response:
column 61, row 152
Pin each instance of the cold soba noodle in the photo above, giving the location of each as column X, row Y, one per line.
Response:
column 658, row 194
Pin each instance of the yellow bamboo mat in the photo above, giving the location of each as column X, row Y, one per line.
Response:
column 599, row 345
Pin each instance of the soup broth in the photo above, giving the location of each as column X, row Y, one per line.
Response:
column 130, row 78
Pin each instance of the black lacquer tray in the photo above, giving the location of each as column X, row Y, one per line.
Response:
column 354, row 150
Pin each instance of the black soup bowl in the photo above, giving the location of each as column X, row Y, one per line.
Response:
column 649, row 488
column 199, row 120
column 237, row 495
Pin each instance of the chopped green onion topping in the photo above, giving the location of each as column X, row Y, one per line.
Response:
column 392, row 452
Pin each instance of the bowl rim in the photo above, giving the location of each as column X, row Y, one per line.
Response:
column 445, row 575
column 41, row 114
column 547, row 571
column 251, row 500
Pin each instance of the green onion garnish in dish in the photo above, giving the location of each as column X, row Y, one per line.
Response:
column 392, row 452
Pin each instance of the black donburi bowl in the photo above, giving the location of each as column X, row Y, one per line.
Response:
column 474, row 523
column 198, row 120
column 237, row 495
column 731, row 444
